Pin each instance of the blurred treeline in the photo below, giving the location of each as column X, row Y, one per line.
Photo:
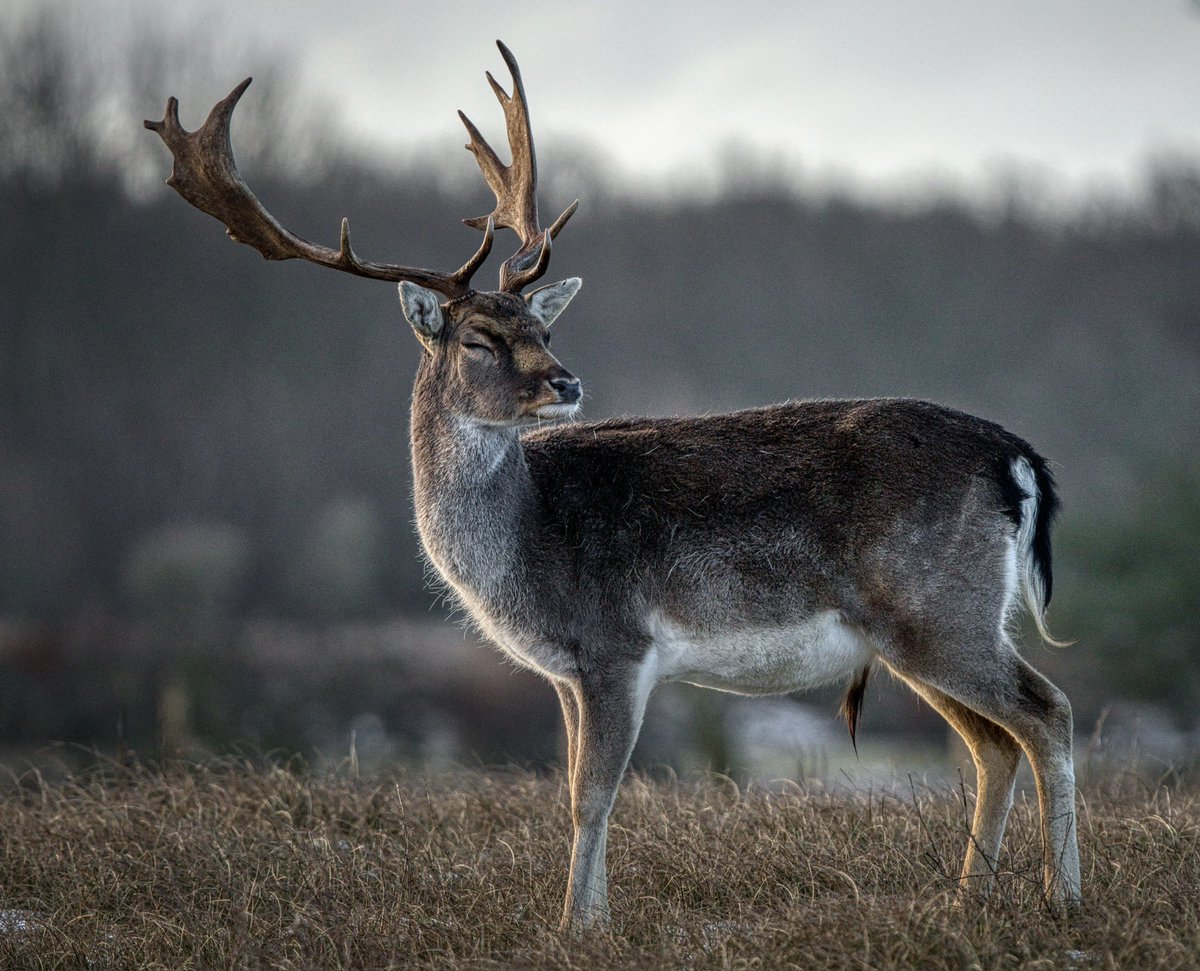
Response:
column 205, row 511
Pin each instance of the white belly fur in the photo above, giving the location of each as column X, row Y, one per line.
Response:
column 815, row 652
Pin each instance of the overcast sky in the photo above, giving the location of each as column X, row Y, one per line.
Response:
column 886, row 93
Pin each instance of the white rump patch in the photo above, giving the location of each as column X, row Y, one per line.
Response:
column 1031, row 583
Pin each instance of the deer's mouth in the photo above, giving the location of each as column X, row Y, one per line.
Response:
column 553, row 412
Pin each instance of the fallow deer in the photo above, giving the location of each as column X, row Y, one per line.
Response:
column 759, row 552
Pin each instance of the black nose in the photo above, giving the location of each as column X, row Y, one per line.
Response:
column 569, row 388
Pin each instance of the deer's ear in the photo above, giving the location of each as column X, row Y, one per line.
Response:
column 549, row 301
column 423, row 309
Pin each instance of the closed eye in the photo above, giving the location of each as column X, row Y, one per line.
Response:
column 480, row 350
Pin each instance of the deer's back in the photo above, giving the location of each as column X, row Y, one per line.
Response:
column 881, row 459
column 773, row 513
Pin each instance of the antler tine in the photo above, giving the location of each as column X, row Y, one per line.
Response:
column 206, row 175
column 515, row 184
column 464, row 273
column 519, row 279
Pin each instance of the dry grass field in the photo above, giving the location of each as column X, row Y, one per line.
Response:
column 246, row 865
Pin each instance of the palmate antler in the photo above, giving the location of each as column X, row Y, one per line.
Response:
column 206, row 175
column 515, row 185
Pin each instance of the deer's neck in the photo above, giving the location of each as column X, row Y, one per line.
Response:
column 474, row 497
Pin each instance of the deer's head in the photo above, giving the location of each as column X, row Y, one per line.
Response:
column 490, row 353
column 489, row 350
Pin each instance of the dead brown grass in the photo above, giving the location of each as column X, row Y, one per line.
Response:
column 244, row 866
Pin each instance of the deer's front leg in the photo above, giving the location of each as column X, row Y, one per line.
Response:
column 610, row 715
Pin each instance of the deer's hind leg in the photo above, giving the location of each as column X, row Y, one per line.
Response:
column 993, row 681
column 570, row 711
column 996, row 755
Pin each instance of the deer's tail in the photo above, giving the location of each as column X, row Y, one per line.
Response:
column 1038, row 506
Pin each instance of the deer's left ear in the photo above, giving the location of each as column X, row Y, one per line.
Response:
column 549, row 301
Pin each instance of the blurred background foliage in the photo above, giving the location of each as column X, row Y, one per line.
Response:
column 205, row 509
